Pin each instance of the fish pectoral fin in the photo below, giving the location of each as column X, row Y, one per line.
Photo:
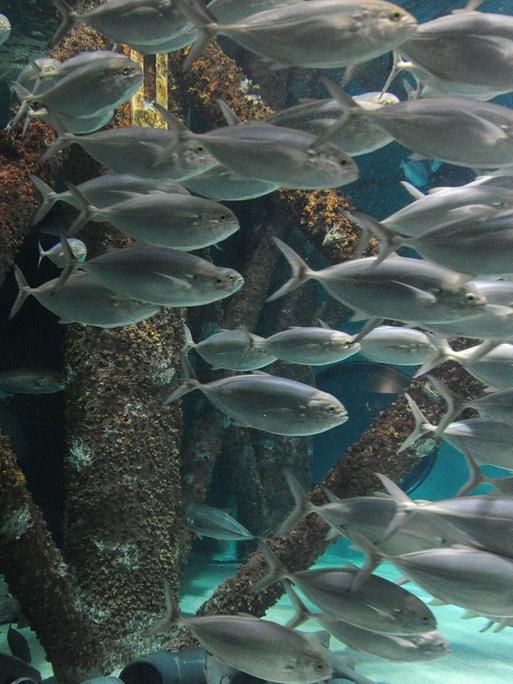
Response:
column 421, row 295
column 239, row 423
column 177, row 281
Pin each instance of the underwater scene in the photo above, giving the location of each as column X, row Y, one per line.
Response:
column 256, row 322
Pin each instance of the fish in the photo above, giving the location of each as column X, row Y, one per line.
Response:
column 221, row 183
column 33, row 75
column 230, row 349
column 83, row 299
column 101, row 191
column 396, row 648
column 30, row 381
column 145, row 22
column 208, row 521
column 442, row 204
column 309, row 346
column 56, row 253
column 13, row 669
column 284, row 156
column 440, row 128
column 399, row 288
column 5, row 29
column 252, row 645
column 377, row 604
column 360, row 136
column 267, row 402
column 18, row 645
column 317, row 34
column 418, row 172
column 89, row 90
column 398, row 345
column 176, row 220
column 162, row 276
column 137, row 149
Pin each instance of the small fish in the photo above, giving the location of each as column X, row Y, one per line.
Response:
column 13, row 669
column 257, row 647
column 176, row 220
column 230, row 349
column 309, row 346
column 207, row 521
column 5, row 29
column 57, row 255
column 18, row 645
column 141, row 22
column 101, row 191
column 416, row 172
column 397, row 648
column 378, row 604
column 317, row 34
column 83, row 299
column 221, row 183
column 399, row 288
column 267, row 402
column 30, row 381
column 398, row 345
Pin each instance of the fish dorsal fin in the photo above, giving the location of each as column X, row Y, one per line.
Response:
column 229, row 115
column 412, row 190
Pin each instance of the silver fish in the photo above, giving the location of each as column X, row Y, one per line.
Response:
column 89, row 90
column 221, row 183
column 399, row 288
column 83, row 299
column 232, row 11
column 163, row 276
column 150, row 153
column 397, row 648
column 207, row 521
column 443, row 204
column 309, row 346
column 396, row 345
column 58, row 257
column 5, row 29
column 230, row 349
column 378, row 604
column 124, row 21
column 258, row 647
column 101, row 191
column 320, row 33
column 360, row 136
column 30, row 381
column 270, row 403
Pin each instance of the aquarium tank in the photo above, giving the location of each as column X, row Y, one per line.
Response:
column 256, row 303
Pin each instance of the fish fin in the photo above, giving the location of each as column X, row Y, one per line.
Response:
column 301, row 612
column 321, row 636
column 402, row 581
column 24, row 291
column 476, row 478
column 349, row 108
column 444, row 353
column 68, row 19
column 421, row 295
column 300, row 271
column 42, row 254
column 437, row 602
column 471, row 6
column 302, row 505
column 190, row 382
column 469, row 615
column 374, row 558
column 416, row 156
column 205, row 23
column 49, row 198
column 87, row 210
column 63, row 140
column 484, row 348
column 174, row 123
column 502, row 624
column 323, row 324
column 228, row 114
column 405, row 506
column 454, row 406
column 422, row 425
column 171, row 615
column 332, row 498
column 25, row 97
column 412, row 190
column 486, row 626
column 189, row 342
column 332, row 534
column 277, row 571
column 371, row 324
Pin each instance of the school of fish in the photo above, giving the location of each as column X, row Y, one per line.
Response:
column 165, row 188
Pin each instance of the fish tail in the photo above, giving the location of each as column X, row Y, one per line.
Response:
column 87, row 210
column 300, row 271
column 301, row 612
column 63, row 140
column 454, row 405
column 68, row 19
column 483, row 349
column 404, row 506
column 171, row 615
column 42, row 254
column 422, row 425
column 189, row 341
column 189, row 385
column 25, row 97
column 302, row 505
column 49, row 198
column 374, row 558
column 24, row 291
column 390, row 240
column 204, row 22
column 277, row 571
column 476, row 478
column 444, row 352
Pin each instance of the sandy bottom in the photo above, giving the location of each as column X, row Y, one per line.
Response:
column 475, row 658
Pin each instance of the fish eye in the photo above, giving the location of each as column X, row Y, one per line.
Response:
column 343, row 161
column 126, row 71
column 470, row 297
column 223, row 217
column 331, row 409
column 219, row 281
column 199, row 148
column 319, row 666
column 395, row 16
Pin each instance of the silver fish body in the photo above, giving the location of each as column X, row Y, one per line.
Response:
column 486, row 441
column 208, row 521
column 163, row 276
column 56, row 253
column 30, row 381
column 397, row 345
column 5, row 29
column 221, row 183
column 275, row 154
column 496, row 406
column 261, row 648
column 310, row 346
column 236, row 350
column 494, row 369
